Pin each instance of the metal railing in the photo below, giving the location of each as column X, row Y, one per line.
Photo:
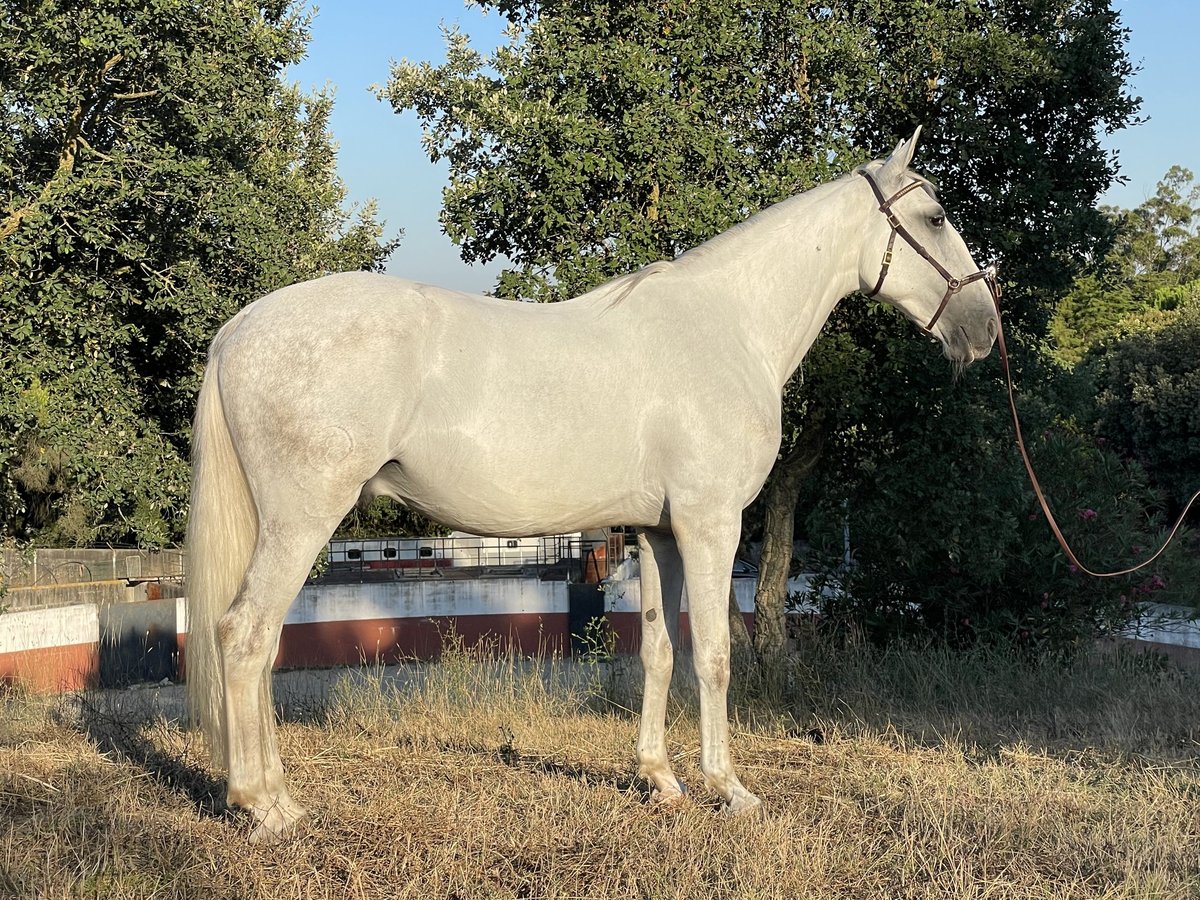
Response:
column 580, row 559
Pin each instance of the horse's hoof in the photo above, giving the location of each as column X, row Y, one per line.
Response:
column 743, row 804
column 669, row 798
column 277, row 822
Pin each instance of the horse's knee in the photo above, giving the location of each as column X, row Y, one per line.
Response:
column 658, row 656
column 712, row 668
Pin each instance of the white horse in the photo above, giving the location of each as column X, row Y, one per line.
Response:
column 477, row 412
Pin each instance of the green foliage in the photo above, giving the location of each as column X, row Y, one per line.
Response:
column 1132, row 330
column 1153, row 264
column 947, row 535
column 155, row 176
column 384, row 517
column 1091, row 310
column 1148, row 396
column 605, row 136
column 1160, row 236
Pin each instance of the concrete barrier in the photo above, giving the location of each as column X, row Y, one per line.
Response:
column 50, row 649
column 71, row 647
column 349, row 624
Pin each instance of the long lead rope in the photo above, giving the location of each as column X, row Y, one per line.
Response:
column 953, row 287
column 994, row 287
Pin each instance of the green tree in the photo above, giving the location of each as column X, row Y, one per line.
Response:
column 948, row 539
column 156, row 175
column 1095, row 306
column 1160, row 235
column 1148, row 396
column 607, row 135
column 1153, row 264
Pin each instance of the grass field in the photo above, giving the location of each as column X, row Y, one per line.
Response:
column 898, row 774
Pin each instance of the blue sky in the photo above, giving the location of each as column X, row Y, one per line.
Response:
column 380, row 155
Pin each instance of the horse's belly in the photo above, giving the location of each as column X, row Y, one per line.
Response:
column 537, row 498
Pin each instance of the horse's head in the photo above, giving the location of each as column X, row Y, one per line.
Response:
column 913, row 258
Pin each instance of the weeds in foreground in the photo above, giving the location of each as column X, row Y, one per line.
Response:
column 901, row 773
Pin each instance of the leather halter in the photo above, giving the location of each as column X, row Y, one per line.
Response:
column 953, row 285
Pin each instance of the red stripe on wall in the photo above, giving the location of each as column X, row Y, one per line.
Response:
column 51, row 669
column 389, row 640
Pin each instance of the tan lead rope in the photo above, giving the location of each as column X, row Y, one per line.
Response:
column 1033, row 479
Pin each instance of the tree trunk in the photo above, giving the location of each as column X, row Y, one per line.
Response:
column 774, row 566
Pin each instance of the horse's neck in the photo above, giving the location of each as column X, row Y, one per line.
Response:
column 777, row 276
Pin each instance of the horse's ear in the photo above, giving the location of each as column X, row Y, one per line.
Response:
column 902, row 156
column 912, row 146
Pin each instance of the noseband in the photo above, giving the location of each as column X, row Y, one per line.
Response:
column 953, row 285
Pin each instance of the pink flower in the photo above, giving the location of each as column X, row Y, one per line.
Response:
column 1087, row 514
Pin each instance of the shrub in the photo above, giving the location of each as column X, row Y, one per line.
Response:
column 1148, row 397
column 948, row 541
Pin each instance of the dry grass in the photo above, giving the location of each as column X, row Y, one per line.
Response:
column 905, row 774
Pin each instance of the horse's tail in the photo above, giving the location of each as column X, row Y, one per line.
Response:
column 221, row 533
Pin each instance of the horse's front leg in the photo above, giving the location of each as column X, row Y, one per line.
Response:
column 662, row 586
column 708, row 547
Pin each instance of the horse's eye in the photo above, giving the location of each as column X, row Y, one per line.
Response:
column 937, row 221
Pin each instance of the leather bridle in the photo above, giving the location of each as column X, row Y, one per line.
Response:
column 988, row 277
column 953, row 285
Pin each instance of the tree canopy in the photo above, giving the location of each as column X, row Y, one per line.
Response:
column 156, row 175
column 1152, row 265
column 1131, row 330
column 607, row 135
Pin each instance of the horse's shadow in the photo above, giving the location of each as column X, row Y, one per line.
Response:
column 527, row 762
column 539, row 764
column 129, row 736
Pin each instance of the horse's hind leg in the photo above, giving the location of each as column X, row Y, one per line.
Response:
column 662, row 584
column 249, row 637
